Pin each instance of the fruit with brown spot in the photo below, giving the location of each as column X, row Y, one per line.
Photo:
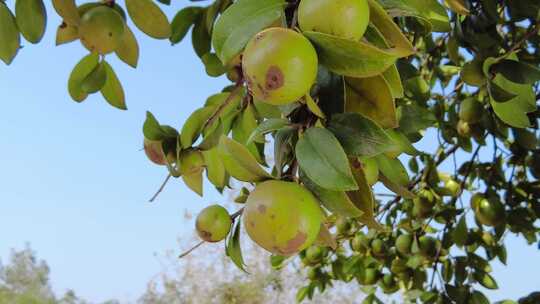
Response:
column 213, row 223
column 280, row 65
column 101, row 29
column 282, row 217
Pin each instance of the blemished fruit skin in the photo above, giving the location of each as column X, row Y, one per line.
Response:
column 280, row 65
column 282, row 217
column 471, row 110
column 343, row 18
column 154, row 152
column 489, row 213
column 101, row 29
column 213, row 223
column 403, row 244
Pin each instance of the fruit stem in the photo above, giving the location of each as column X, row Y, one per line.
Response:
column 160, row 188
column 185, row 253
column 237, row 213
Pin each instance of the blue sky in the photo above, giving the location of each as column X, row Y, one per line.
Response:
column 75, row 184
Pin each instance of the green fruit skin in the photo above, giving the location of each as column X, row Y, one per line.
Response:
column 10, row 40
column 314, row 255
column 378, row 248
column 471, row 110
column 423, row 204
column 343, row 18
column 427, row 246
column 489, row 213
column 280, row 65
column 101, row 29
column 31, row 19
column 463, row 128
column 403, row 244
column 452, row 187
column 369, row 276
column 213, row 223
column 282, row 217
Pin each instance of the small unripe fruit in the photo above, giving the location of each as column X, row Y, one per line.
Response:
column 452, row 187
column 343, row 18
column 378, row 248
column 388, row 283
column 470, row 110
column 313, row 273
column 213, row 223
column 280, row 65
column 101, row 29
column 489, row 212
column 427, row 246
column 403, row 244
column 314, row 255
column 343, row 226
column 282, row 217
column 360, row 243
column 369, row 276
column 423, row 203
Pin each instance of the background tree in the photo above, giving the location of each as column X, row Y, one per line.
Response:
column 345, row 95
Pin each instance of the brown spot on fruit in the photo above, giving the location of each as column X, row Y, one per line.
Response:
column 272, row 216
column 206, row 234
column 261, row 208
column 274, row 78
column 295, row 243
column 252, row 224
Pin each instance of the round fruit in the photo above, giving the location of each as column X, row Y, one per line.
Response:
column 282, row 217
column 463, row 128
column 314, row 255
column 280, row 65
column 388, row 283
column 213, row 223
column 403, row 244
column 427, row 246
column 369, row 276
column 343, row 18
column 378, row 248
column 343, row 226
column 101, row 29
column 489, row 212
column 470, row 110
column 452, row 187
column 360, row 243
column 423, row 203
column 313, row 273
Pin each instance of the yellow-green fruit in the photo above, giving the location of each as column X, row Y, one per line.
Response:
column 378, row 248
column 427, row 246
column 403, row 244
column 369, row 276
column 423, row 204
column 313, row 273
column 388, row 283
column 213, row 223
column 360, row 243
column 314, row 255
column 371, row 170
column 280, row 65
column 452, row 187
column 101, row 29
column 489, row 212
column 343, row 18
column 343, row 226
column 154, row 152
column 463, row 128
column 471, row 110
column 282, row 217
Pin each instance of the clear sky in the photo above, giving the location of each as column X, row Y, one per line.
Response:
column 75, row 184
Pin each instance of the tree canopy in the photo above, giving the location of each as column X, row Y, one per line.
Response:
column 319, row 123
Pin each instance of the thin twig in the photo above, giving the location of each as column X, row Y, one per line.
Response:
column 160, row 188
column 191, row 249
column 227, row 101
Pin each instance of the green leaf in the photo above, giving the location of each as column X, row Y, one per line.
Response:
column 264, row 127
column 243, row 126
column 485, row 280
column 394, row 175
column 182, row 21
column 331, row 92
column 301, row 294
column 360, row 136
column 128, row 50
column 241, row 21
column 200, row 39
column 501, row 254
column 194, row 124
column 363, row 197
column 336, row 202
column 413, row 118
column 152, row 130
column 149, row 18
column 401, row 143
column 215, row 170
column 394, row 81
column 79, row 74
column 95, row 80
column 478, row 297
column 31, row 19
column 112, row 91
column 460, row 233
column 323, row 160
column 351, row 58
column 211, row 136
column 67, row 9
column 191, row 168
column 66, row 33
column 10, row 39
column 313, row 107
column 389, row 29
column 499, row 94
column 283, row 147
column 458, row 6
column 213, row 65
column 239, row 162
column 325, row 238
column 433, row 11
column 371, row 97
column 517, row 71
column 233, row 249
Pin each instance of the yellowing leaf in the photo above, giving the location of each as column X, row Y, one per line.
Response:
column 149, row 18
column 112, row 91
column 128, row 50
column 239, row 162
column 31, row 19
column 10, row 40
column 458, row 6
column 66, row 33
column 79, row 73
column 373, row 98
column 215, row 170
column 191, row 168
column 67, row 9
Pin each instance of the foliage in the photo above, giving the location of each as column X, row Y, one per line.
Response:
column 465, row 70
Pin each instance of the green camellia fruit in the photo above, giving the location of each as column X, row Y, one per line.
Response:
column 463, row 128
column 360, row 243
column 314, row 255
column 213, row 223
column 388, row 283
column 101, row 29
column 343, row 18
column 282, row 217
column 423, row 203
column 403, row 244
column 378, row 248
column 427, row 246
column 452, row 187
column 489, row 212
column 280, row 65
column 368, row 276
column 471, row 110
